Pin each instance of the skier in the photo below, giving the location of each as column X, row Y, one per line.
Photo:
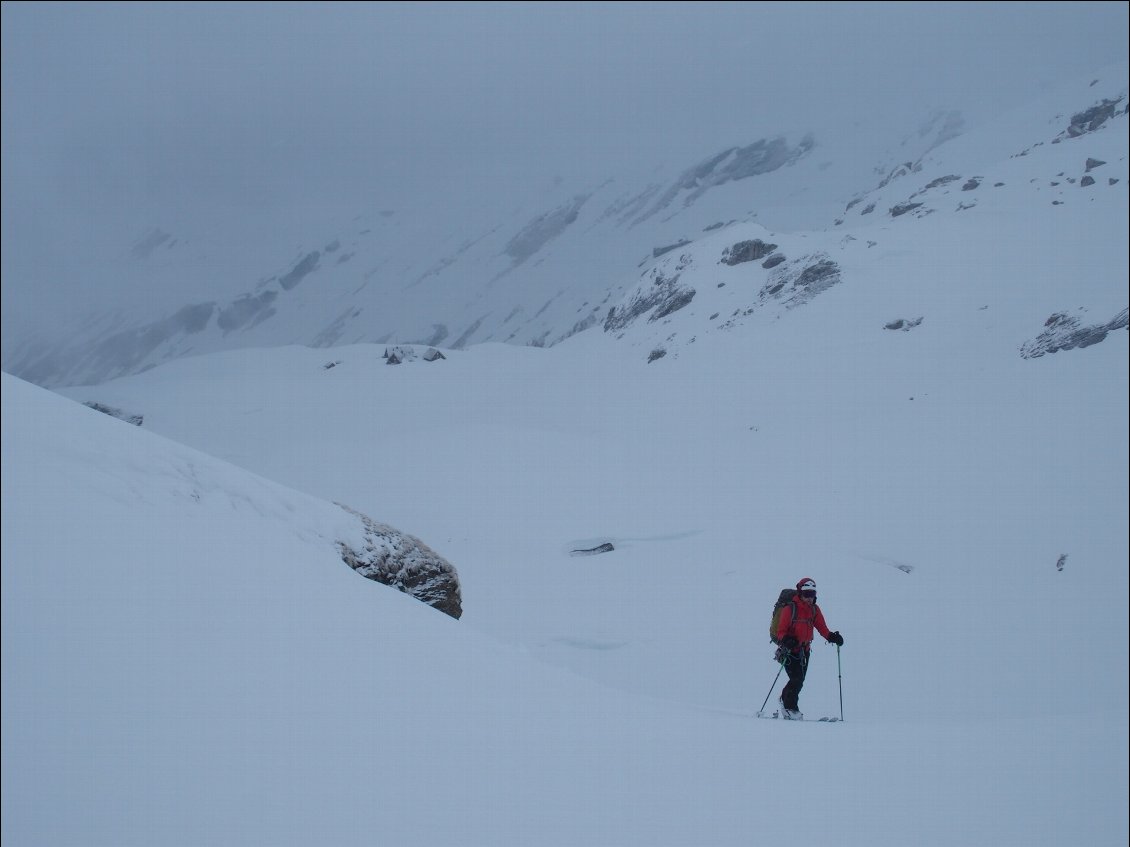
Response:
column 794, row 634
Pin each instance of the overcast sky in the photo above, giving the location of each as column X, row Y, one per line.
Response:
column 118, row 111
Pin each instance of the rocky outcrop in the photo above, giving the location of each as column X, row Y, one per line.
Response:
column 903, row 324
column 405, row 563
column 1092, row 118
column 306, row 266
column 136, row 420
column 902, row 208
column 747, row 251
column 606, row 547
column 1064, row 332
column 656, row 252
column 664, row 296
column 794, row 288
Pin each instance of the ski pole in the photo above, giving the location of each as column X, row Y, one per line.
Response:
column 774, row 685
column 840, row 672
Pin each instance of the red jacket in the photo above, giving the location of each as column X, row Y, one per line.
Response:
column 800, row 626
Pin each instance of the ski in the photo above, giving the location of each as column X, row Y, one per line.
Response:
column 777, row 716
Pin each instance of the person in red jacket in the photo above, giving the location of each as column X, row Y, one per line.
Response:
column 794, row 634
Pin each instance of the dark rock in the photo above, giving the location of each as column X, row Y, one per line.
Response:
column 405, row 563
column 747, row 251
column 657, row 353
column 1091, row 119
column 661, row 298
column 903, row 208
column 1085, row 181
column 136, row 420
column 795, row 289
column 606, row 547
column 942, row 180
column 1063, row 332
column 773, row 261
column 1093, row 163
column 299, row 272
column 656, row 252
column 897, row 172
column 673, row 303
column 971, row 184
column 903, row 324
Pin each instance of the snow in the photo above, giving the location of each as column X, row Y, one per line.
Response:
column 187, row 660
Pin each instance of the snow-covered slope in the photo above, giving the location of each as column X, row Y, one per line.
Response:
column 924, row 408
column 534, row 264
column 187, row 670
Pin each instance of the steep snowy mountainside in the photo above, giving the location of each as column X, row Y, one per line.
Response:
column 536, row 263
column 1037, row 236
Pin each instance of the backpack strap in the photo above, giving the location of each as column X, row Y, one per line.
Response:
column 792, row 617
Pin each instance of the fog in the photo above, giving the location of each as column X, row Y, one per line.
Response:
column 121, row 115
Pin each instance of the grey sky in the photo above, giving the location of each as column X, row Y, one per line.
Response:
column 115, row 110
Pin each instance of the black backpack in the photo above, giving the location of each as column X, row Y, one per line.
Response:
column 787, row 598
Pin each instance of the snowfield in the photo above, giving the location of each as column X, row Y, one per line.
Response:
column 916, row 396
column 187, row 659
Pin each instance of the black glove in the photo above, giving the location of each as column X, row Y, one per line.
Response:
column 837, row 639
column 790, row 643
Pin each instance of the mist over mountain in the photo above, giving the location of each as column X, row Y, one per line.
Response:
column 183, row 179
column 536, row 267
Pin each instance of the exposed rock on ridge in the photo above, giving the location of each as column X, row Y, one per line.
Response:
column 1063, row 332
column 405, row 563
column 661, row 298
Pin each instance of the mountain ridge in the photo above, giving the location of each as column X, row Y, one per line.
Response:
column 538, row 277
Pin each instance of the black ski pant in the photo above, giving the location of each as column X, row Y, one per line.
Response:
column 796, row 666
